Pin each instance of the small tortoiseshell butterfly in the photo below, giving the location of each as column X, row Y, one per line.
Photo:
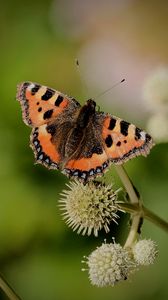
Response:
column 77, row 139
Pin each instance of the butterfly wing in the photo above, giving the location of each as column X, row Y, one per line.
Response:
column 40, row 103
column 46, row 153
column 107, row 139
column 53, row 118
column 46, row 110
column 123, row 141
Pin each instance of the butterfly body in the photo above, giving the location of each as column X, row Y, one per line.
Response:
column 77, row 139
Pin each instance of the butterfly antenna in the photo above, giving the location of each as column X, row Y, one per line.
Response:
column 83, row 81
column 106, row 91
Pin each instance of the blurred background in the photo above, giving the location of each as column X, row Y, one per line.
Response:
column 40, row 40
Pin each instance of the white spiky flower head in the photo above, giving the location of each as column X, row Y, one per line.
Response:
column 108, row 265
column 155, row 90
column 157, row 126
column 89, row 208
column 145, row 252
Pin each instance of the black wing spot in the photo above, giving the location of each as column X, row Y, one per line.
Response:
column 137, row 133
column 147, row 138
column 59, row 100
column 48, row 94
column 112, row 124
column 48, row 114
column 118, row 144
column 109, row 141
column 35, row 89
column 124, row 127
column 39, row 109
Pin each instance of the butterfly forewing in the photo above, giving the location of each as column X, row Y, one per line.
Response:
column 40, row 103
column 123, row 140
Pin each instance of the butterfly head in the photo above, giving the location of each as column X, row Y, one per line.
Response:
column 91, row 104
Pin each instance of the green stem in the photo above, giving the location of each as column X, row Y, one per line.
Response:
column 134, row 199
column 127, row 183
column 133, row 233
column 10, row 293
column 144, row 212
column 130, row 208
column 155, row 219
column 136, row 208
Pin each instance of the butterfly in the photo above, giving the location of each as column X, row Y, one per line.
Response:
column 79, row 140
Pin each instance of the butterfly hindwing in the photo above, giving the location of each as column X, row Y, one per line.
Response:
column 40, row 103
column 86, row 167
column 45, row 151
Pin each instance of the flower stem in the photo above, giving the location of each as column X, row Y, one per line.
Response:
column 136, row 208
column 134, row 199
column 127, row 183
column 155, row 219
column 10, row 293
column 145, row 213
column 129, row 207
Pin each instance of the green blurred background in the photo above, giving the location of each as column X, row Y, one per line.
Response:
column 39, row 255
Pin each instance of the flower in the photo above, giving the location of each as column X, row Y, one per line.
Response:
column 109, row 264
column 157, row 126
column 89, row 207
column 155, row 90
column 145, row 252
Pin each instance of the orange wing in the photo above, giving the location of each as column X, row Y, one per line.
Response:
column 110, row 140
column 86, row 168
column 40, row 103
column 45, row 151
column 123, row 141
